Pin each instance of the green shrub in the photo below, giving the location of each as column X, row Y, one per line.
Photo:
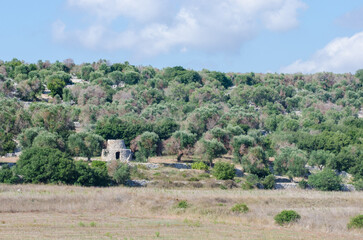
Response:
column 253, row 179
column 81, row 224
column 269, row 182
column 182, row 204
column 46, row 165
column 224, row 171
column 358, row 184
column 325, row 180
column 122, row 173
column 303, row 184
column 6, row 174
column 286, row 216
column 240, row 208
column 200, row 166
column 247, row 185
column 88, row 176
column 356, row 222
column 99, row 164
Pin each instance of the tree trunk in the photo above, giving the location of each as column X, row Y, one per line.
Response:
column 180, row 154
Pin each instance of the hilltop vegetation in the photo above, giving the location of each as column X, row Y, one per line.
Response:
column 295, row 119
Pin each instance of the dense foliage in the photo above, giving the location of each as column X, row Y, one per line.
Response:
column 326, row 180
column 356, row 222
column 287, row 216
column 293, row 119
column 224, row 171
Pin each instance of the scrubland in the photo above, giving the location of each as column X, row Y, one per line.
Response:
column 70, row 212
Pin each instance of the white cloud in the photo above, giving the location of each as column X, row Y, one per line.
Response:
column 158, row 26
column 141, row 10
column 340, row 55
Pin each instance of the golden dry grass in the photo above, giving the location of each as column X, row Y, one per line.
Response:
column 69, row 212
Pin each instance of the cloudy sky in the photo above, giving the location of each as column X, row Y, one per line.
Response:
column 226, row 35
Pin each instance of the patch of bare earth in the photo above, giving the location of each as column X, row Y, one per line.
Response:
column 69, row 212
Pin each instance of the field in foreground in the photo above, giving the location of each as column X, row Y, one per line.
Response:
column 69, row 212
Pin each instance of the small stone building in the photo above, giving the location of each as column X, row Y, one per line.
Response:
column 116, row 150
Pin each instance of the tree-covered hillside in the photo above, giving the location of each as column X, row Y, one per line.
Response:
column 293, row 119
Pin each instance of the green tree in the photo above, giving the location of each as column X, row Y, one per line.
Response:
column 7, row 143
column 147, row 145
column 291, row 161
column 117, row 128
column 165, row 127
column 56, row 86
column 47, row 139
column 46, row 165
column 116, row 77
column 26, row 138
column 222, row 78
column 91, row 176
column 359, row 75
column 255, row 162
column 131, row 77
column 241, row 144
column 184, row 140
column 85, row 144
column 213, row 149
column 30, row 89
column 86, row 71
column 325, row 180
column 322, row 158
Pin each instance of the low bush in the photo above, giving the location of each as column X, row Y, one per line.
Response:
column 224, row 171
column 122, row 173
column 99, row 164
column 182, row 204
column 287, row 216
column 356, row 222
column 325, row 180
column 6, row 174
column 247, row 185
column 358, row 184
column 253, row 179
column 240, row 208
column 303, row 184
column 269, row 182
column 200, row 166
column 88, row 176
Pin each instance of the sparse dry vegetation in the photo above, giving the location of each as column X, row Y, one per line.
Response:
column 69, row 212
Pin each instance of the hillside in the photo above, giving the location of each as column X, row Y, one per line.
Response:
column 269, row 123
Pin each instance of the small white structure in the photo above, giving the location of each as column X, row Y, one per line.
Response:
column 116, row 150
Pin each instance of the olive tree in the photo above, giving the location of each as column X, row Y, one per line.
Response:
column 213, row 149
column 185, row 141
column 85, row 144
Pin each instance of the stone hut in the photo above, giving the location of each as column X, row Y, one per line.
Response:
column 116, row 150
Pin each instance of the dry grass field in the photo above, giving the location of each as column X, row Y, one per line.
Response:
column 69, row 212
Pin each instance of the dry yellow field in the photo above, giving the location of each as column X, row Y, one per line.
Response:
column 69, row 212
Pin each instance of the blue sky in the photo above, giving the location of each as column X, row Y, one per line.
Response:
column 225, row 35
